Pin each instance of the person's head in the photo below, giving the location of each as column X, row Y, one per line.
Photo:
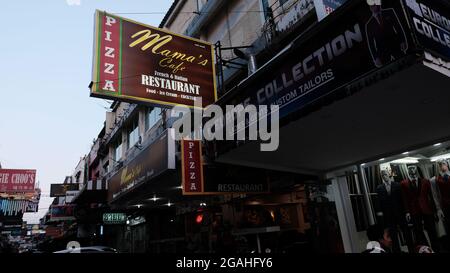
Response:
column 443, row 166
column 412, row 172
column 375, row 6
column 377, row 233
column 385, row 175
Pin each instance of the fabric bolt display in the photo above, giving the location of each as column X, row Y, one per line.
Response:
column 429, row 170
column 403, row 171
column 439, row 220
column 436, row 169
column 376, row 179
column 372, row 174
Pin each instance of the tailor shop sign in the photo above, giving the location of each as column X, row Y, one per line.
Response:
column 200, row 179
column 148, row 164
column 346, row 47
column 139, row 63
column 430, row 21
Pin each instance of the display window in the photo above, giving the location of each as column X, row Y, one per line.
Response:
column 407, row 195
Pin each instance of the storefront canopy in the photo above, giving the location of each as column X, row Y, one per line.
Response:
column 92, row 192
column 350, row 92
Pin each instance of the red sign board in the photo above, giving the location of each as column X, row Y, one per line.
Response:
column 17, row 180
column 192, row 167
column 62, row 212
column 54, row 232
column 139, row 63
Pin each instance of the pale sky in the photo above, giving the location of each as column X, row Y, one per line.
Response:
column 47, row 119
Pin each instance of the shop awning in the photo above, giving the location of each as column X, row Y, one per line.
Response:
column 92, row 192
column 339, row 105
column 153, row 160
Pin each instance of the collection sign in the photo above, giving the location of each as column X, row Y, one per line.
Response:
column 430, row 21
column 143, row 64
column 351, row 48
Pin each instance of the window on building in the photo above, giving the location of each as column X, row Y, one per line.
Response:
column 265, row 5
column 133, row 132
column 200, row 4
column 106, row 167
column 152, row 117
column 118, row 150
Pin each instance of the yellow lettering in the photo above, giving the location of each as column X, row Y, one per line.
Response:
column 178, row 55
column 205, row 62
column 167, row 62
column 156, row 40
column 165, row 52
column 190, row 59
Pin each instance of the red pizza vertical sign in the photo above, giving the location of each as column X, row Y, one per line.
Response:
column 109, row 57
column 192, row 168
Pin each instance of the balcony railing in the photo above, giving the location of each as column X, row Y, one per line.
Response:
column 284, row 17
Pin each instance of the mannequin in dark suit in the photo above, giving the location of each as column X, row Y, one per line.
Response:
column 390, row 208
column 385, row 35
column 443, row 184
column 418, row 204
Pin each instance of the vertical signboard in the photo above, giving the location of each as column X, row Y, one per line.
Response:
column 143, row 64
column 192, row 167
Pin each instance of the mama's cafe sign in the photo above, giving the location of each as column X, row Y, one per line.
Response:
column 139, row 63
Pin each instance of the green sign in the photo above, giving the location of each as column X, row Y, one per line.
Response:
column 114, row 218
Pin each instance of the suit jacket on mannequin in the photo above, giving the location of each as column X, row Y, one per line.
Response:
column 426, row 198
column 390, row 204
column 417, row 200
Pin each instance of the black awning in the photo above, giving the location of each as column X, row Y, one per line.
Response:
column 92, row 192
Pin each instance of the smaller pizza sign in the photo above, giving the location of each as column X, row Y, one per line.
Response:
column 192, row 167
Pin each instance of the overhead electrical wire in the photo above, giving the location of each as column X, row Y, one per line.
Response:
column 195, row 12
